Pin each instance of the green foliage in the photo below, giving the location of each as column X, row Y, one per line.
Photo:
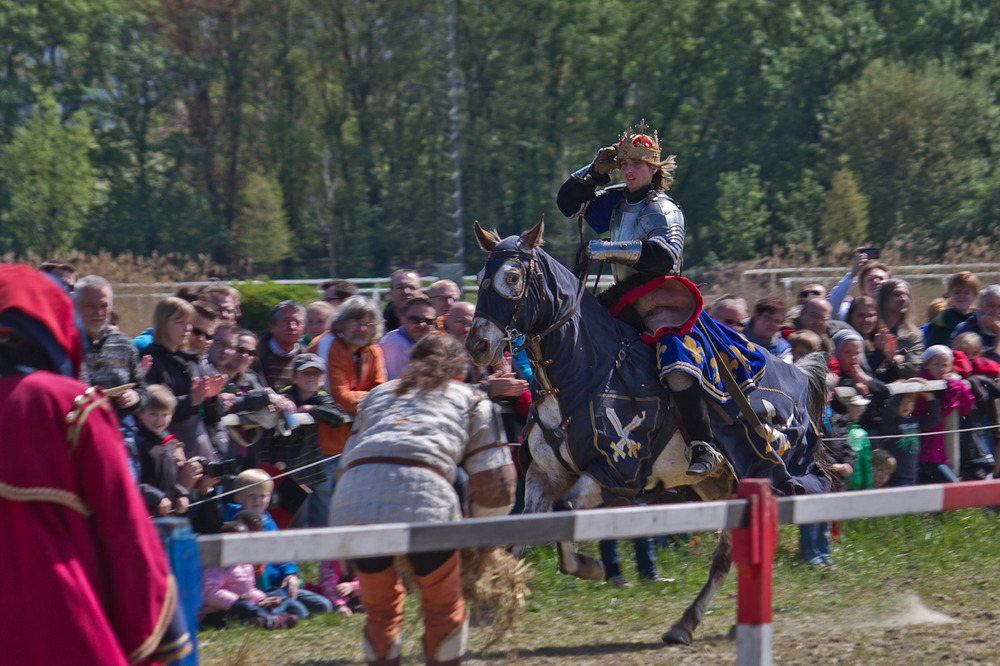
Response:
column 257, row 299
column 49, row 178
column 261, row 224
column 346, row 106
column 899, row 139
column 845, row 211
column 743, row 214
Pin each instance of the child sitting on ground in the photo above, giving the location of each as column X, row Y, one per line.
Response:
column 254, row 487
column 936, row 363
column 166, row 477
column 232, row 592
column 903, row 430
column 338, row 583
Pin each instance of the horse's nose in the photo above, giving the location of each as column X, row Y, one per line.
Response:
column 478, row 348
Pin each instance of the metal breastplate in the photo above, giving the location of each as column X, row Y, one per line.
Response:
column 654, row 215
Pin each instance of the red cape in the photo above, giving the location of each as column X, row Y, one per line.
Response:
column 84, row 579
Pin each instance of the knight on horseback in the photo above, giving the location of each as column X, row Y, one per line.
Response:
column 646, row 253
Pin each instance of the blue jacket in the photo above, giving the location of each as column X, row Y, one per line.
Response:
column 273, row 573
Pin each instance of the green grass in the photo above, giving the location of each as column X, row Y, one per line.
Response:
column 949, row 561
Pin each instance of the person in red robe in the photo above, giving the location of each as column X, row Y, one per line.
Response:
column 85, row 579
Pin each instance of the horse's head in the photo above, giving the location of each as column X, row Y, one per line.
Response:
column 504, row 306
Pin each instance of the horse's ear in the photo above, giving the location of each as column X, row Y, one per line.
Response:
column 487, row 239
column 532, row 238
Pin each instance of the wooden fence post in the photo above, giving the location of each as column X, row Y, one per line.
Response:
column 753, row 553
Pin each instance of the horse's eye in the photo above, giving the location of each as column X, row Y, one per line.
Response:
column 509, row 279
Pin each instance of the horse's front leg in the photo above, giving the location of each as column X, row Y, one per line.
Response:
column 585, row 494
column 544, row 481
column 722, row 560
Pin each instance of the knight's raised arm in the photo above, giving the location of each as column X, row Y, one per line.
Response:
column 647, row 227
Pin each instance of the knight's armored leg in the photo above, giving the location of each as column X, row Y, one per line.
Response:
column 382, row 594
column 445, row 626
column 693, row 413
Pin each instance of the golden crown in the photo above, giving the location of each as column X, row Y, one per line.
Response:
column 635, row 143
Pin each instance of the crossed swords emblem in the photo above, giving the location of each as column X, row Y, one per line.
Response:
column 624, row 440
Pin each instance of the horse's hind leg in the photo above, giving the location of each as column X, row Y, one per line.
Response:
column 722, row 559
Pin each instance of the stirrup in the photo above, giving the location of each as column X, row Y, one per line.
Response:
column 704, row 459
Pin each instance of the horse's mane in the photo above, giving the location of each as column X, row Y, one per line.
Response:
column 814, row 366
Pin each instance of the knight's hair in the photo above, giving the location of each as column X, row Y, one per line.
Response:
column 663, row 177
column 434, row 361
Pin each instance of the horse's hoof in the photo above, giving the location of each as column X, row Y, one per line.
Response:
column 584, row 567
column 677, row 637
column 589, row 569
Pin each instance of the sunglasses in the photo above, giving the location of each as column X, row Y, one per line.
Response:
column 246, row 350
column 805, row 294
column 421, row 320
column 204, row 334
column 732, row 323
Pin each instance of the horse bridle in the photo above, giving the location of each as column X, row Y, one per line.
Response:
column 531, row 274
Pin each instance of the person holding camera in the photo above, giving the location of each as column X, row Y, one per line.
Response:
column 868, row 272
column 173, row 366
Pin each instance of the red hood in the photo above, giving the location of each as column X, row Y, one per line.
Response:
column 32, row 302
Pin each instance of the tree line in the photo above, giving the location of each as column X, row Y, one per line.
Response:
column 305, row 137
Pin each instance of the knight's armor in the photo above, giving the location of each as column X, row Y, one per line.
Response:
column 647, row 227
column 656, row 219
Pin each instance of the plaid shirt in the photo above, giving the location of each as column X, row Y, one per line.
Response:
column 301, row 447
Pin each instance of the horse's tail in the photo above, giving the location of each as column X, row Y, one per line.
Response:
column 815, row 368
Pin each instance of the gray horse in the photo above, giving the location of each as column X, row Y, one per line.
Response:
column 602, row 430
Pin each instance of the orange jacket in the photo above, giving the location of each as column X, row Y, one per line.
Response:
column 348, row 388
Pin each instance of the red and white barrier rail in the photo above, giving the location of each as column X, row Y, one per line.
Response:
column 754, row 516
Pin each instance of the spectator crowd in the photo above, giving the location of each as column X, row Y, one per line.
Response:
column 298, row 385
